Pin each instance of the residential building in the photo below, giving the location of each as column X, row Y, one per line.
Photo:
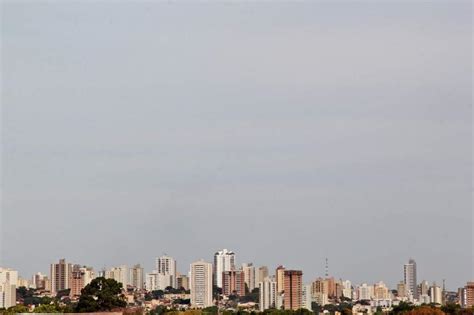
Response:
column 347, row 289
column 233, row 283
column 293, row 280
column 151, row 281
column 402, row 289
column 249, row 275
column 409, row 278
column 365, row 292
column 201, row 284
column 137, row 277
column 7, row 294
column 166, row 266
column 268, row 293
column 306, row 297
column 280, row 278
column 182, row 281
column 381, row 291
column 77, row 281
column 469, row 294
column 436, row 294
column 9, row 275
column 261, row 274
column 423, row 288
column 224, row 260
column 60, row 274
column 119, row 274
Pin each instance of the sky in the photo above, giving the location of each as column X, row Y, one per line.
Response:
column 287, row 132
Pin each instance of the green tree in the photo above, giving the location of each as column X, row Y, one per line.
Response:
column 101, row 295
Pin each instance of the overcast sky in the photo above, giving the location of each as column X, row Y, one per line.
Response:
column 287, row 132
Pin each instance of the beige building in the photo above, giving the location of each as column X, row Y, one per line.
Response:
column 381, row 291
column 182, row 282
column 280, row 278
column 469, row 294
column 137, row 277
column 249, row 275
column 7, row 295
column 60, row 274
column 201, row 284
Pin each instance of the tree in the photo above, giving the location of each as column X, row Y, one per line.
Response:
column 101, row 295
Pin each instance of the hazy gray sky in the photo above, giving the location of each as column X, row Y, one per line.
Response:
column 287, row 132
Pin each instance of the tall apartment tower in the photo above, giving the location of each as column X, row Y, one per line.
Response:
column 137, row 278
column 409, row 278
column 224, row 260
column 77, row 281
column 280, row 278
column 261, row 274
column 268, row 294
column 249, row 275
column 469, row 294
column 60, row 275
column 201, row 284
column 119, row 274
column 233, row 283
column 293, row 289
column 166, row 266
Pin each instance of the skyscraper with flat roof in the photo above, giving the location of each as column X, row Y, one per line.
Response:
column 409, row 278
column 60, row 276
column 293, row 280
column 201, row 284
column 224, row 260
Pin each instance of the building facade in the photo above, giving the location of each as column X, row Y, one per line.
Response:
column 201, row 284
column 60, row 274
column 233, row 283
column 268, row 294
column 224, row 260
column 293, row 280
column 409, row 278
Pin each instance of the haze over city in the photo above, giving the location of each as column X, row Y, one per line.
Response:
column 287, row 132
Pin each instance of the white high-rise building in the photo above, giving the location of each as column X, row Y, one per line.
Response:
column 137, row 277
column 436, row 295
column 7, row 295
column 8, row 275
column 224, row 260
column 365, row 292
column 409, row 278
column 151, row 281
column 268, row 294
column 347, row 289
column 201, row 284
column 307, row 297
column 249, row 275
column 89, row 274
column 166, row 266
column 119, row 274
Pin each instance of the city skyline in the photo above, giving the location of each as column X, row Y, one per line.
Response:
column 287, row 132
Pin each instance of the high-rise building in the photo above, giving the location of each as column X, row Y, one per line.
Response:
column 409, row 277
column 224, row 260
column 320, row 285
column 151, row 281
column 89, row 274
column 166, row 266
column 233, row 283
column 119, row 274
column 423, row 288
column 261, row 274
column 39, row 281
column 347, row 289
column 268, row 294
column 182, row 282
column 60, row 274
column 307, row 297
column 7, row 295
column 402, row 289
column 331, row 287
column 381, row 291
column 280, row 278
column 201, row 284
column 365, row 292
column 469, row 294
column 436, row 294
column 249, row 275
column 9, row 275
column 77, row 281
column 137, row 277
column 293, row 280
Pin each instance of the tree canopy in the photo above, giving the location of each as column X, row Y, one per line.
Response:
column 101, row 295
